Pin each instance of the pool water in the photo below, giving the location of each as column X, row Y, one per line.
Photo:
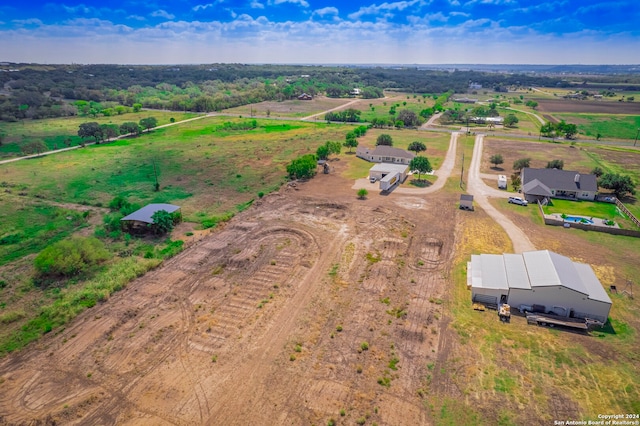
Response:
column 576, row 219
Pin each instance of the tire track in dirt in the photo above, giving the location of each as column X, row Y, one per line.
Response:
column 248, row 383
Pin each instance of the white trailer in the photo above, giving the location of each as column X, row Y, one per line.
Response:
column 389, row 180
column 502, row 182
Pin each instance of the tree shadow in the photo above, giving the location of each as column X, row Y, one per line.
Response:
column 420, row 183
column 496, row 168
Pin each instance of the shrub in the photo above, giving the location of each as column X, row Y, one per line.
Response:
column 118, row 203
column 10, row 239
column 70, row 257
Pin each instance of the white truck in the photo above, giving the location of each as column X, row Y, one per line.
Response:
column 389, row 180
column 502, row 182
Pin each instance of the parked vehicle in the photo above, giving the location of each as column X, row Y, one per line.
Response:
column 372, row 179
column 518, row 200
column 502, row 182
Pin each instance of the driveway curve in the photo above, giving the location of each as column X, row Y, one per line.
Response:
column 443, row 174
column 481, row 193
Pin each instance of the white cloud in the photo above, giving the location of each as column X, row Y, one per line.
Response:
column 384, row 8
column 136, row 18
column 200, row 7
column 252, row 40
column 255, row 4
column 30, row 21
column 81, row 8
column 162, row 14
column 302, row 3
column 326, row 11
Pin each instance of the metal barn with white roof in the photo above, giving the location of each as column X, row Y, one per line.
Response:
column 544, row 278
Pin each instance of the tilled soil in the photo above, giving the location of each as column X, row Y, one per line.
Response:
column 309, row 303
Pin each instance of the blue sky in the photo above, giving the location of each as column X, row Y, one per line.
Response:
column 321, row 31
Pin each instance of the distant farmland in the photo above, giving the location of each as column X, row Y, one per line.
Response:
column 598, row 107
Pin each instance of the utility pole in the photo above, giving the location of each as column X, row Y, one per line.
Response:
column 637, row 133
column 462, row 172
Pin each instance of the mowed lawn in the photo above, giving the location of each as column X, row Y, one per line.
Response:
column 53, row 131
column 590, row 209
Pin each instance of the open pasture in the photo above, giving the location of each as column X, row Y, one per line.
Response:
column 608, row 126
column 287, row 109
column 54, row 131
column 202, row 165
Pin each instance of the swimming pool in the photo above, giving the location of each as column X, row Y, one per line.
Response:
column 578, row 219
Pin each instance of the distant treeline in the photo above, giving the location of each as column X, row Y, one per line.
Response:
column 40, row 91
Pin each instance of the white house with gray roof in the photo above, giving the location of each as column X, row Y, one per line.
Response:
column 538, row 184
column 385, row 154
column 541, row 278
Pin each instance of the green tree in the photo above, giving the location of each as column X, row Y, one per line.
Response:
column 548, row 130
column 384, row 139
column 516, row 181
column 162, row 222
column 130, row 128
column 496, row 160
column 137, row 107
column 421, row 164
column 351, row 141
column 70, row 257
column 90, row 130
column 149, row 123
column 322, row 152
column 109, row 131
column 511, row 120
column 569, row 130
column 3, row 135
column 417, row 146
column 521, row 163
column 334, row 147
column 532, row 104
column 35, row 147
column 303, row 167
column 409, row 118
column 597, row 171
column 362, row 193
column 555, row 164
column 620, row 184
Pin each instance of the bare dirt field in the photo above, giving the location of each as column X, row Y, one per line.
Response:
column 578, row 106
column 289, row 108
column 310, row 305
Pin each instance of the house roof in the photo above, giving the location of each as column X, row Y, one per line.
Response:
column 389, row 151
column 557, row 179
column 145, row 213
column 534, row 269
column 389, row 168
column 466, row 197
column 535, row 187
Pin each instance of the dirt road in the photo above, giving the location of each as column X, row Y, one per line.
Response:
column 291, row 313
column 481, row 194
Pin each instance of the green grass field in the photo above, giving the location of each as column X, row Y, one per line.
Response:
column 589, row 209
column 379, row 108
column 609, row 126
column 29, row 227
column 54, row 131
